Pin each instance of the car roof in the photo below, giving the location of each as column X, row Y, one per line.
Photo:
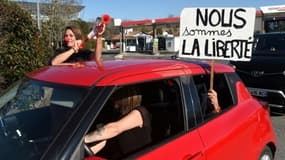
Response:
column 122, row 71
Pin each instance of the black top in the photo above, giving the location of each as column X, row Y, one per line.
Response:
column 82, row 55
column 138, row 137
column 129, row 141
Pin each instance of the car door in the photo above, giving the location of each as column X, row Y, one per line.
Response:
column 171, row 136
column 186, row 144
column 185, row 147
column 229, row 134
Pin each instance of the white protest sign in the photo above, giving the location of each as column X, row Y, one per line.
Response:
column 217, row 33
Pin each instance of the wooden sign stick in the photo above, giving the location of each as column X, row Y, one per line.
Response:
column 212, row 74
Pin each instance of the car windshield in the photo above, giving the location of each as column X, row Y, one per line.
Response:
column 273, row 45
column 31, row 113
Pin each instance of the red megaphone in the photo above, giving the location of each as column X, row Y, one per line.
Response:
column 106, row 18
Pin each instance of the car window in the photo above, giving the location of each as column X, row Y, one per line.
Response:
column 270, row 45
column 222, row 88
column 274, row 24
column 162, row 100
column 31, row 113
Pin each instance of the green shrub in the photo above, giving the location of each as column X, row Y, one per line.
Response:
column 22, row 47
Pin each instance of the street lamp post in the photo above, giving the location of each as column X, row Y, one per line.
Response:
column 155, row 40
column 38, row 15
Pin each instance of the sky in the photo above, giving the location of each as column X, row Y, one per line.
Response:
column 153, row 9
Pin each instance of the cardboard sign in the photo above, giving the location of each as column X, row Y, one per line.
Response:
column 217, row 33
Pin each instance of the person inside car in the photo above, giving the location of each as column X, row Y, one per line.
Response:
column 131, row 130
column 72, row 51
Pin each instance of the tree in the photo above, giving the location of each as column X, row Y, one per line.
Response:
column 23, row 47
column 60, row 13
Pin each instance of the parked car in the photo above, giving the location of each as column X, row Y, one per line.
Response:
column 47, row 114
column 264, row 75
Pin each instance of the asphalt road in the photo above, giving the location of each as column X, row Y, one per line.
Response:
column 278, row 122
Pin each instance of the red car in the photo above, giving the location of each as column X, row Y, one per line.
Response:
column 47, row 114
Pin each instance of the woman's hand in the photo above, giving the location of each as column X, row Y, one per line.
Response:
column 98, row 147
column 77, row 45
column 100, row 30
column 212, row 94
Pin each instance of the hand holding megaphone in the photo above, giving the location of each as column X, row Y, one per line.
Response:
column 99, row 26
column 96, row 31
